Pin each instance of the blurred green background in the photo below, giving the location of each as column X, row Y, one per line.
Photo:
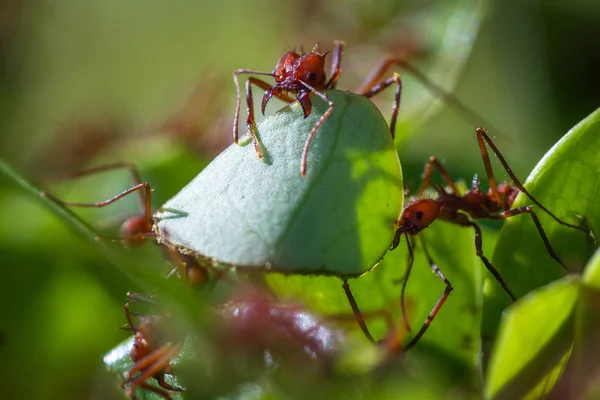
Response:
column 144, row 81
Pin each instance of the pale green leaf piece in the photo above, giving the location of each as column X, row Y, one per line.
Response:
column 246, row 212
column 567, row 182
column 535, row 334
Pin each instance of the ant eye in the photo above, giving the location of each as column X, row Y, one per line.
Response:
column 419, row 215
column 312, row 76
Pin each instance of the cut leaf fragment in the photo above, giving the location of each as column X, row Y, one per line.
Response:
column 261, row 214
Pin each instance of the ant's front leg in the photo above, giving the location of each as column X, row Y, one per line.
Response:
column 250, row 120
column 311, row 135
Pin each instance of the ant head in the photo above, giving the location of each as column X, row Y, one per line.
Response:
column 294, row 67
column 133, row 231
column 417, row 216
column 293, row 71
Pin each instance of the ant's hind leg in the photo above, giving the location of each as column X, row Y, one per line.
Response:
column 529, row 210
column 483, row 139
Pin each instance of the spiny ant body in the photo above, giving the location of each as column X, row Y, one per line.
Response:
column 462, row 210
column 153, row 349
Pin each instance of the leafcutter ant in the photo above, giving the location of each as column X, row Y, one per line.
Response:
column 136, row 229
column 462, row 210
column 300, row 74
column 153, row 349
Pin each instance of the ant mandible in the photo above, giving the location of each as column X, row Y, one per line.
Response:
column 496, row 204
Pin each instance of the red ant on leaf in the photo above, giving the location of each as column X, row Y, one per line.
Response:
column 458, row 209
column 153, row 349
column 303, row 74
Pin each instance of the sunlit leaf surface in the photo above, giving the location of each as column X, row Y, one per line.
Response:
column 535, row 334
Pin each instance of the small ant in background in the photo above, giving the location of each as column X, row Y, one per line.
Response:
column 136, row 229
column 458, row 209
column 302, row 74
column 153, row 349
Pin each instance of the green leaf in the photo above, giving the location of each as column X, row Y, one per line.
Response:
column 591, row 275
column 535, row 334
column 566, row 181
column 247, row 212
column 581, row 376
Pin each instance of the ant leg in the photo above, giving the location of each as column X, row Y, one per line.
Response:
column 483, row 138
column 379, row 72
column 536, row 221
column 372, row 91
column 335, row 65
column 315, row 128
column 465, row 221
column 160, row 392
column 426, row 176
column 250, row 104
column 133, row 298
column 149, row 366
column 438, row 305
column 411, row 259
column 165, row 385
column 357, row 313
column 131, row 168
column 146, row 221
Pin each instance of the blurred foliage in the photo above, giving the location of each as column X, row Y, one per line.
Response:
column 89, row 82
